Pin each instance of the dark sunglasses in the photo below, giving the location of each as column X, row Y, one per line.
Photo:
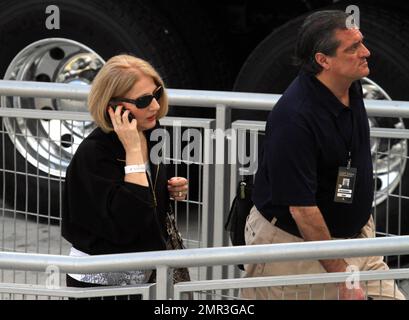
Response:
column 144, row 101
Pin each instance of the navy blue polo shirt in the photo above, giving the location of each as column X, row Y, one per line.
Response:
column 308, row 135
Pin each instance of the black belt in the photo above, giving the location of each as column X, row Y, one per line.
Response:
column 282, row 226
column 279, row 224
column 286, row 228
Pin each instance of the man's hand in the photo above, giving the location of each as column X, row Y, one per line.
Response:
column 353, row 293
column 313, row 228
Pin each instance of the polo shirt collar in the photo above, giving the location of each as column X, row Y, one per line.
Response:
column 325, row 97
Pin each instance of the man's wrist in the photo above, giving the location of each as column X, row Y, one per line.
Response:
column 335, row 265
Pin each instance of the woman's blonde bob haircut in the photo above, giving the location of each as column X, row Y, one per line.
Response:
column 115, row 79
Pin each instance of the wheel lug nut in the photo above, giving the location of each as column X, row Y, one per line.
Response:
column 57, row 53
column 43, row 78
column 67, row 140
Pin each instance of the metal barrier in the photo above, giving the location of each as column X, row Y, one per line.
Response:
column 163, row 261
column 303, row 286
column 16, row 291
column 396, row 157
column 27, row 227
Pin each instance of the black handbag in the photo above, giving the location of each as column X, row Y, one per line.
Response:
column 239, row 212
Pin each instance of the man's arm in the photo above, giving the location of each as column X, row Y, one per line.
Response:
column 313, row 228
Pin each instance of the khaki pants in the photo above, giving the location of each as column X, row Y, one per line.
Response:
column 259, row 231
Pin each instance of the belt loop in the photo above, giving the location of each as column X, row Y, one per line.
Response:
column 273, row 222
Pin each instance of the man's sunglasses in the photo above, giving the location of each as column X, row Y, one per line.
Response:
column 141, row 102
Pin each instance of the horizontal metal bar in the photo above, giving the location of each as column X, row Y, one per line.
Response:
column 211, row 99
column 387, row 108
column 390, row 133
column 187, row 122
column 292, row 280
column 209, row 256
column 39, row 290
column 43, row 90
column 169, row 121
column 85, row 116
column 44, row 114
column 374, row 132
column 249, row 125
column 190, row 98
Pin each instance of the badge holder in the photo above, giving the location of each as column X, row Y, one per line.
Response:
column 344, row 190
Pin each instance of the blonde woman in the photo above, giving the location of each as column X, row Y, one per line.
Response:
column 115, row 197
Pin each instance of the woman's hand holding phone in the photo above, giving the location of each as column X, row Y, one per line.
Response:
column 127, row 131
column 123, row 110
column 128, row 134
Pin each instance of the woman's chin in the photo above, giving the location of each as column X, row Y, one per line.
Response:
column 147, row 126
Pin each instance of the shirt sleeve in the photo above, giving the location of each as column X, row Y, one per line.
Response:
column 101, row 202
column 292, row 165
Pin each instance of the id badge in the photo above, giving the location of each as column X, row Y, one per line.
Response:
column 344, row 190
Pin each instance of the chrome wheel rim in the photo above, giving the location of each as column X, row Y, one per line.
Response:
column 50, row 144
column 388, row 155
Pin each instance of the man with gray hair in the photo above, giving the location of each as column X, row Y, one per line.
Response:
column 317, row 137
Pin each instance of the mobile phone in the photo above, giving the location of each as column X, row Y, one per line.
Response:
column 130, row 115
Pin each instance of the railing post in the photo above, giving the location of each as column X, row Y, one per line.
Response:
column 164, row 285
column 208, row 197
column 221, row 183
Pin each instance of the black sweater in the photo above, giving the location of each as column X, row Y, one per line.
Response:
column 103, row 214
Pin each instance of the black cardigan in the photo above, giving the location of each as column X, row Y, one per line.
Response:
column 103, row 214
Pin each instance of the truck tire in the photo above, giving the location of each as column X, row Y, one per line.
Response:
column 269, row 69
column 32, row 170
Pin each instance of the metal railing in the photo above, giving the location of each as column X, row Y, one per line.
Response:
column 162, row 261
column 19, row 232
column 212, row 205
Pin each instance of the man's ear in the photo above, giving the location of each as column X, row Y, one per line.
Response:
column 322, row 60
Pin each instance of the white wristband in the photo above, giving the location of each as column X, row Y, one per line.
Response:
column 135, row 168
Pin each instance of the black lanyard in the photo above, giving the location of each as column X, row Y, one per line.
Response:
column 348, row 144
